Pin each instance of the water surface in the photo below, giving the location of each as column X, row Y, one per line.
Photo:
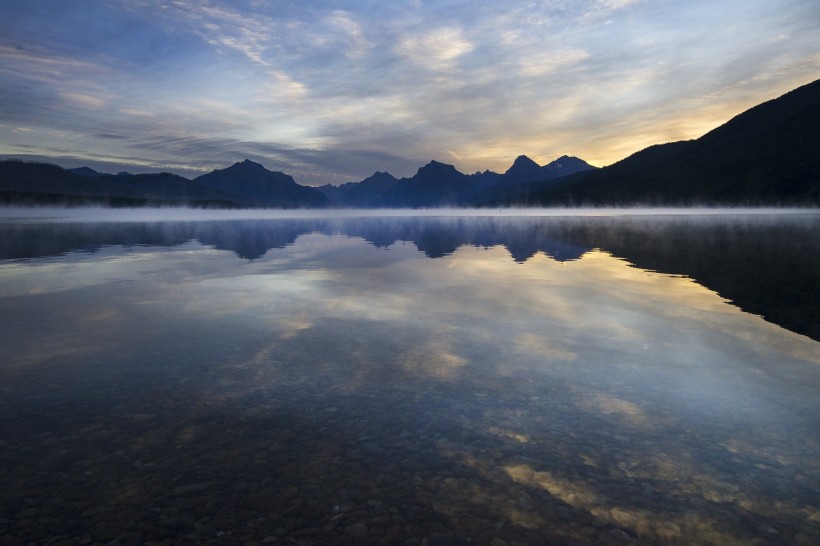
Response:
column 378, row 380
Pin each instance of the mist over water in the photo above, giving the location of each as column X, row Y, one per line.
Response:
column 147, row 214
column 330, row 377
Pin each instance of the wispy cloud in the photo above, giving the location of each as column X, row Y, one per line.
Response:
column 218, row 25
column 616, row 4
column 437, row 49
column 28, row 62
column 84, row 101
column 355, row 43
column 550, row 61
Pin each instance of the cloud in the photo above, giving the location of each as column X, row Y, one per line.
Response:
column 356, row 44
column 137, row 112
column 217, row 25
column 616, row 4
column 30, row 64
column 437, row 49
column 83, row 100
column 535, row 66
column 282, row 87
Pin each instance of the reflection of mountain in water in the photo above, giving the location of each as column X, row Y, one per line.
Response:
column 251, row 239
column 762, row 264
column 766, row 266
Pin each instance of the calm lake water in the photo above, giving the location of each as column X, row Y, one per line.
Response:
column 293, row 378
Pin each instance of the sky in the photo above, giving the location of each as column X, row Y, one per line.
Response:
column 332, row 91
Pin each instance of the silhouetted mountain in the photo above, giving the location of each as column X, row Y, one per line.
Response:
column 334, row 193
column 252, row 185
column 248, row 184
column 40, row 183
column 245, row 184
column 769, row 154
column 86, row 171
column 436, row 184
column 523, row 168
column 486, row 179
column 491, row 186
column 41, row 178
column 369, row 191
column 566, row 165
column 164, row 187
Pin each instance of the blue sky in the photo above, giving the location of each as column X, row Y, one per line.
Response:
column 333, row 91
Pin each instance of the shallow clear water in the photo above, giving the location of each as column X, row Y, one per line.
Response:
column 375, row 380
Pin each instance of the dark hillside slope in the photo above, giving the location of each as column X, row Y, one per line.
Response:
column 368, row 192
column 768, row 155
column 27, row 183
column 434, row 185
column 252, row 185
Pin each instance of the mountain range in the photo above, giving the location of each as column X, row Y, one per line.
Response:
column 250, row 185
column 242, row 185
column 768, row 155
column 439, row 184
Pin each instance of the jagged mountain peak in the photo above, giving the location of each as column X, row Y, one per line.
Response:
column 569, row 159
column 437, row 167
column 523, row 164
column 252, row 183
column 380, row 175
column 439, row 164
column 248, row 164
column 86, row 171
column 247, row 171
column 524, row 160
column 568, row 164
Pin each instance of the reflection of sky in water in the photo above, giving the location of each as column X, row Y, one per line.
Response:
column 644, row 385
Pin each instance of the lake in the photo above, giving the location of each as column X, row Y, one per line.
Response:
column 418, row 378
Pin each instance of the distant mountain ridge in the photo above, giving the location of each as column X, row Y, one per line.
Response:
column 40, row 183
column 242, row 185
column 434, row 185
column 247, row 184
column 250, row 184
column 525, row 169
column 87, row 172
column 440, row 184
column 768, row 155
column 367, row 192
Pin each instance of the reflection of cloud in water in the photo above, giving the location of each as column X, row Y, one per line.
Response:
column 540, row 395
column 622, row 409
column 535, row 344
column 694, row 527
column 721, row 249
column 578, row 307
column 433, row 359
column 521, row 438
